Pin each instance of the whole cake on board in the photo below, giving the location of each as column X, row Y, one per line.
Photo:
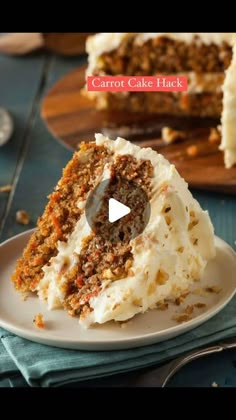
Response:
column 73, row 265
column 207, row 59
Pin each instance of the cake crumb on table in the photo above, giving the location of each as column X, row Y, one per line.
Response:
column 214, row 136
column 5, row 188
column 169, row 135
column 192, row 151
column 39, row 321
column 22, row 217
column 215, row 385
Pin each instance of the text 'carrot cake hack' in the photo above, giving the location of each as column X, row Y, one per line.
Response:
column 82, row 267
column 207, row 59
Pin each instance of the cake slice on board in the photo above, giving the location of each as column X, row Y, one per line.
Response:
column 207, row 59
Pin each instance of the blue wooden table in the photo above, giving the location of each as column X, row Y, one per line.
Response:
column 33, row 160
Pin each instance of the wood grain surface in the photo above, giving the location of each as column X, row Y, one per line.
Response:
column 72, row 118
column 66, row 43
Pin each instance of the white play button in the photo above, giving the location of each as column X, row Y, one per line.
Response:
column 117, row 210
column 111, row 209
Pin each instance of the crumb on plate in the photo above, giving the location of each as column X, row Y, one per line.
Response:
column 181, row 318
column 39, row 321
column 200, row 305
column 24, row 296
column 181, row 298
column 125, row 324
column 162, row 306
column 200, row 292
column 213, row 289
column 189, row 309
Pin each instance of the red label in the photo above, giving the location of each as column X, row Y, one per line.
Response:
column 137, row 83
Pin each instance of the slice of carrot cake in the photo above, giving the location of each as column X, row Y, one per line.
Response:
column 74, row 265
column 204, row 58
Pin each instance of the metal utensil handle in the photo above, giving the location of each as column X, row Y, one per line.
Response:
column 180, row 362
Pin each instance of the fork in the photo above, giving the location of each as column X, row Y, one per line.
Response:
column 160, row 376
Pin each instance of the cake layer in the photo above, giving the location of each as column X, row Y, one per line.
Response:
column 204, row 98
column 179, row 104
column 171, row 252
column 101, row 280
column 105, row 42
column 61, row 214
column 150, row 54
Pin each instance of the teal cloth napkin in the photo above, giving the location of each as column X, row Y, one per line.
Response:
column 23, row 362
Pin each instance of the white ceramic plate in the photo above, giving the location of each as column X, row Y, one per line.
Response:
column 154, row 326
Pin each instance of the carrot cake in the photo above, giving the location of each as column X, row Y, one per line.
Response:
column 75, row 266
column 207, row 59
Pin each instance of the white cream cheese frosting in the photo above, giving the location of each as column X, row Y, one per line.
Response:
column 105, row 42
column 204, row 82
column 228, row 119
column 168, row 256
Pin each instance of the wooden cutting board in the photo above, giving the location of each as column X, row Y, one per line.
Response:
column 72, row 118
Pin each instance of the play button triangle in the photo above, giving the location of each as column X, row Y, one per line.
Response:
column 117, row 210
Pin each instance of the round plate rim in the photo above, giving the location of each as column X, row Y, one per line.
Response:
column 121, row 343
